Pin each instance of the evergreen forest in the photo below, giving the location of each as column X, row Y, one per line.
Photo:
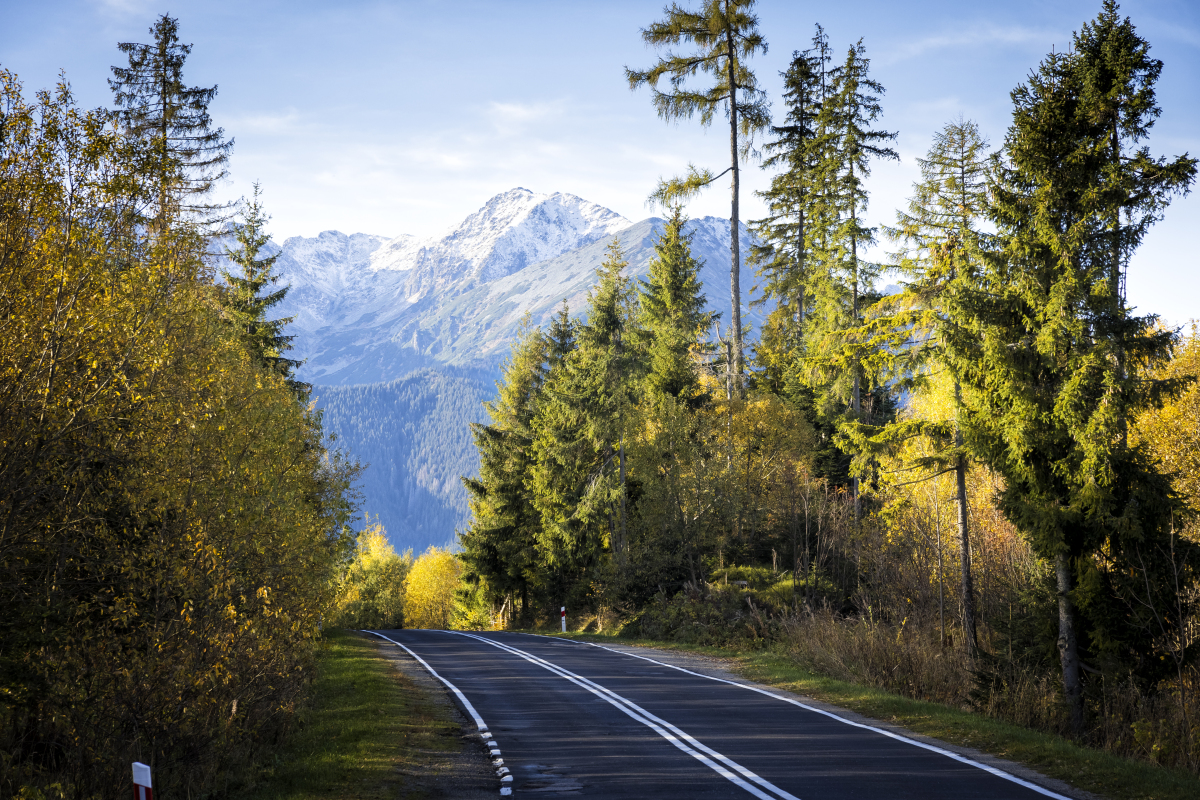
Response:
column 967, row 491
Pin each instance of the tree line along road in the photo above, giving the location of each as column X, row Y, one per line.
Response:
column 576, row 719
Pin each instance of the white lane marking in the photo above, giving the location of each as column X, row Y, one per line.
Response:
column 483, row 729
column 663, row 728
column 939, row 750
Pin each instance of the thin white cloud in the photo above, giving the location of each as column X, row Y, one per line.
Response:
column 977, row 35
column 513, row 118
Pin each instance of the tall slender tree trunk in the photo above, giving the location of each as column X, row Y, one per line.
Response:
column 621, row 545
column 856, row 397
column 735, row 269
column 964, row 534
column 964, row 551
column 1068, row 647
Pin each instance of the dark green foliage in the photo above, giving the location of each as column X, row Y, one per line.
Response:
column 246, row 305
column 186, row 156
column 578, row 483
column 787, row 236
column 673, row 314
column 1053, row 363
column 499, row 547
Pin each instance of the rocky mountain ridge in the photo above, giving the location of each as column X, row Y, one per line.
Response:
column 370, row 309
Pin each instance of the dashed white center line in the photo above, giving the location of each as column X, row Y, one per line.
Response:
column 722, row 765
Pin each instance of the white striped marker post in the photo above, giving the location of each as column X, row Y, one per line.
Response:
column 141, row 782
column 564, row 619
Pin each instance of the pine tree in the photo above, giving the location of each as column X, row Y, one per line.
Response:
column 673, row 315
column 1050, row 360
column 187, row 155
column 725, row 34
column 842, row 278
column 942, row 250
column 785, row 235
column 244, row 303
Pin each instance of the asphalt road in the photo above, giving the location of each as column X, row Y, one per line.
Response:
column 574, row 719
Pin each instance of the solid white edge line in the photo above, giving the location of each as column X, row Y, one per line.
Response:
column 659, row 726
column 939, row 750
column 483, row 729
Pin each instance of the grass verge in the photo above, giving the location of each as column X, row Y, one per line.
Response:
column 1085, row 768
column 364, row 726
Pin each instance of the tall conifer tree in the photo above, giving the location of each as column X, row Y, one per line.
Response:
column 942, row 251
column 725, row 33
column 1052, row 363
column 188, row 155
column 579, row 481
column 673, row 314
column 500, row 547
column 842, row 277
column 246, row 299
column 786, row 234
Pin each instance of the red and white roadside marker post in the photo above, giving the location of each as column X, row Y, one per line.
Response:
column 141, row 782
column 564, row 619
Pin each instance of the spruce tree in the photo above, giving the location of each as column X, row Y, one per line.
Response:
column 1051, row 361
column 842, row 279
column 500, row 546
column 673, row 315
column 187, row 156
column 245, row 300
column 785, row 235
column 579, row 480
column 725, row 33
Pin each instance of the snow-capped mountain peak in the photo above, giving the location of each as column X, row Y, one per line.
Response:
column 511, row 231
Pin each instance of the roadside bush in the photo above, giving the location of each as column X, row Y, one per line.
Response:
column 719, row 614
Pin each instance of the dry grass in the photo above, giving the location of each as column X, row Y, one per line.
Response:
column 1162, row 727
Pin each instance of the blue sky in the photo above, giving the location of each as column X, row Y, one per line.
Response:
column 404, row 117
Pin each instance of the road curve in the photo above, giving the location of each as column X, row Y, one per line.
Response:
column 573, row 719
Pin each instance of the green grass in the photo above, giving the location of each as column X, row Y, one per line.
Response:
column 1085, row 768
column 364, row 725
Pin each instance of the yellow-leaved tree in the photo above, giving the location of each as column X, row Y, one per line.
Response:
column 171, row 524
column 1172, row 433
column 429, row 599
column 372, row 591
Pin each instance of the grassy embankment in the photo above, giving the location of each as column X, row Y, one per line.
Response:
column 365, row 725
column 1088, row 769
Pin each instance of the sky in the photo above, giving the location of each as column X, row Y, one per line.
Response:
column 405, row 117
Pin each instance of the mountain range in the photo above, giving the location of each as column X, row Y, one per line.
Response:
column 403, row 338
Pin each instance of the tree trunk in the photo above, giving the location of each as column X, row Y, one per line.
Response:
column 964, row 550
column 1068, row 649
column 735, row 269
column 856, row 396
column 621, row 544
column 964, row 534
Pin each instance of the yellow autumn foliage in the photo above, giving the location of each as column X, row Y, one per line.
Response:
column 172, row 524
column 372, row 592
column 429, row 600
column 1172, row 433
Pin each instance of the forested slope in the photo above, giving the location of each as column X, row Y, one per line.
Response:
column 412, row 434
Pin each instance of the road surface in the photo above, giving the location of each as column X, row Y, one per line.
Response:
column 575, row 719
